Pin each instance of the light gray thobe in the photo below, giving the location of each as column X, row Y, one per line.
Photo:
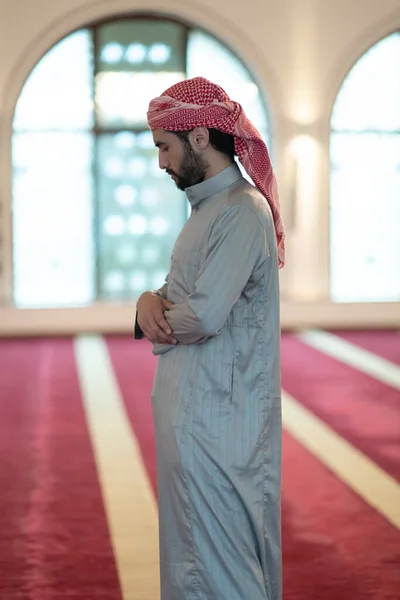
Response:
column 216, row 401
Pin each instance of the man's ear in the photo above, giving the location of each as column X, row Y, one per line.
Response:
column 200, row 138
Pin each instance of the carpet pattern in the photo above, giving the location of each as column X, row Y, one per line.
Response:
column 55, row 541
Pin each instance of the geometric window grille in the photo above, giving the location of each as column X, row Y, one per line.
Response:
column 94, row 219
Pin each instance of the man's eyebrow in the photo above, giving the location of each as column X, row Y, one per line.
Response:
column 159, row 144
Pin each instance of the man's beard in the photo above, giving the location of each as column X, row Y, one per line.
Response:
column 192, row 170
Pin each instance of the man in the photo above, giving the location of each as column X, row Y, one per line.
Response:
column 215, row 326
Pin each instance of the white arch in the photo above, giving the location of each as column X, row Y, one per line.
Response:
column 322, row 130
column 223, row 29
column 357, row 194
column 352, row 54
column 196, row 15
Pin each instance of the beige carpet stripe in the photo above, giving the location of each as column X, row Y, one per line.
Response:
column 381, row 369
column 362, row 475
column 128, row 498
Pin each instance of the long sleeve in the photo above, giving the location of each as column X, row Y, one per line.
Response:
column 237, row 248
column 163, row 291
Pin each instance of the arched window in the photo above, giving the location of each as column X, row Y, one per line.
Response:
column 93, row 216
column 365, row 179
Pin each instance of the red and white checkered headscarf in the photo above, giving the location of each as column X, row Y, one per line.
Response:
column 200, row 103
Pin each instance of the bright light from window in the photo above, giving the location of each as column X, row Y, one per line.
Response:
column 114, row 281
column 145, row 140
column 125, row 195
column 125, row 140
column 159, row 226
column 370, row 96
column 137, row 167
column 158, row 280
column 85, row 166
column 135, row 53
column 124, row 97
column 52, row 225
column 150, row 197
column 150, row 254
column 155, row 169
column 58, row 92
column 159, row 54
column 114, row 225
column 365, row 179
column 112, row 53
column 126, row 254
column 114, row 167
column 137, row 225
column 138, row 281
column 207, row 57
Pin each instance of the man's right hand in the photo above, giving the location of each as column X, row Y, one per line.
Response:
column 151, row 319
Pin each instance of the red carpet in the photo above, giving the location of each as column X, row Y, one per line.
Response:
column 383, row 343
column 327, row 529
column 54, row 541
column 361, row 409
column 335, row 547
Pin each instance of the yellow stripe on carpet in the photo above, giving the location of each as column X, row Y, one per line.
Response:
column 380, row 368
column 362, row 475
column 129, row 501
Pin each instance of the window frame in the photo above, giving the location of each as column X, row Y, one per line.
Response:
column 97, row 130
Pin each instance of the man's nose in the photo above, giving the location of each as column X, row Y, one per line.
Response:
column 162, row 161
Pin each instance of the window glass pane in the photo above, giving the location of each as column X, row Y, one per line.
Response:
column 365, row 217
column 207, row 57
column 52, row 219
column 370, row 96
column 140, row 215
column 61, row 197
column 123, row 98
column 136, row 61
column 58, row 92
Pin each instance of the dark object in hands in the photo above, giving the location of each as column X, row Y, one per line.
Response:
column 138, row 332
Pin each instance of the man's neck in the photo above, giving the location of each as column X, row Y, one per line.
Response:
column 216, row 167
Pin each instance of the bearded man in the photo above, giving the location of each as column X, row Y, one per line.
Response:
column 216, row 330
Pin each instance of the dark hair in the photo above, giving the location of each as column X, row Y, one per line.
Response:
column 222, row 142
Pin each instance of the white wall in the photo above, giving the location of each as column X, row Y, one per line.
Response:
column 299, row 50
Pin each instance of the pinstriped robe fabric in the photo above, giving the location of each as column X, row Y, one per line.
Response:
column 216, row 401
